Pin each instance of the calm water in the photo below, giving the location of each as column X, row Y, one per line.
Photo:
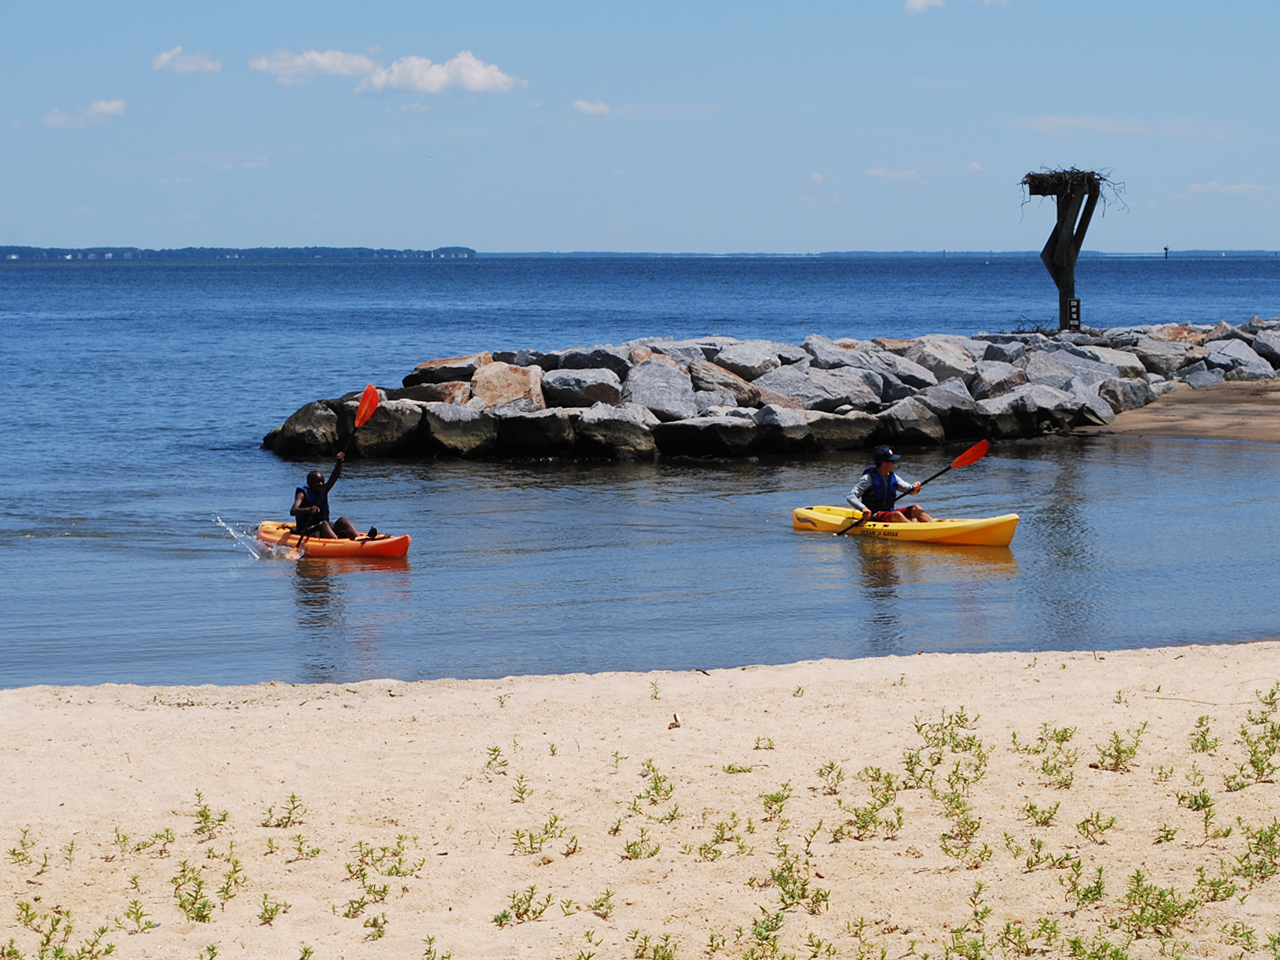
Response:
column 136, row 394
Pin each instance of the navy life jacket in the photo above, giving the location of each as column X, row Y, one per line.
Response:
column 312, row 498
column 883, row 493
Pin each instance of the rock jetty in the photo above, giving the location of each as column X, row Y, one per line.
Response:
column 722, row 397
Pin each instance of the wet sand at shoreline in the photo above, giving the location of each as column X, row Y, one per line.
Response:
column 1240, row 410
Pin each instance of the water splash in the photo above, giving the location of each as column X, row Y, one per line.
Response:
column 260, row 551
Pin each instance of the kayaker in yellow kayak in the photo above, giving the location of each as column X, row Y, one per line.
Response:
column 311, row 508
column 878, row 488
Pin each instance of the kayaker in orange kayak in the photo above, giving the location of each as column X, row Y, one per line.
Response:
column 878, row 488
column 311, row 507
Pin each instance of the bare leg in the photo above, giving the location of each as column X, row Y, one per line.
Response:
column 897, row 516
column 916, row 514
column 345, row 529
column 322, row 532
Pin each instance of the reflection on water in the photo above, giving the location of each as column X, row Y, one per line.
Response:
column 334, row 643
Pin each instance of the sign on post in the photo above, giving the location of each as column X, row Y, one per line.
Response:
column 1073, row 315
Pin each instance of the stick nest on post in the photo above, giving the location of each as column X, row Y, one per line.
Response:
column 1063, row 182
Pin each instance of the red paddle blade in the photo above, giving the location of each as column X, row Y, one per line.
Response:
column 972, row 455
column 369, row 401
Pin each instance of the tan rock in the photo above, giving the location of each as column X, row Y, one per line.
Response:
column 453, row 391
column 641, row 354
column 891, row 345
column 711, row 376
column 448, row 368
column 497, row 383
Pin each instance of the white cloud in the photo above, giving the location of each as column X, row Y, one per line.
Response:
column 465, row 71
column 419, row 73
column 180, row 62
column 1055, row 126
column 99, row 111
column 888, row 174
column 975, row 165
column 920, row 6
column 598, row 108
column 816, row 177
column 299, row 68
column 1214, row 187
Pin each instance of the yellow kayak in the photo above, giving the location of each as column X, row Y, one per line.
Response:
column 982, row 532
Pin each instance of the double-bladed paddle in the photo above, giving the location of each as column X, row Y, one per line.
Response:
column 970, row 456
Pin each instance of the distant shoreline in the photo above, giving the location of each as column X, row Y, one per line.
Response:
column 15, row 253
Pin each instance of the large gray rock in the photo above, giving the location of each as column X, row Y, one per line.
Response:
column 1267, row 345
column 1164, row 357
column 311, row 430
column 1082, row 364
column 704, row 400
column 951, row 403
column 1198, row 375
column 749, row 359
column 684, row 351
column 850, row 431
column 1125, row 393
column 909, row 372
column 617, row 359
column 616, row 433
column 706, row 437
column 1237, row 360
column 798, row 385
column 1047, row 370
column 710, row 376
column 392, row 431
column 996, row 377
column 1035, row 409
column 1126, row 363
column 910, row 421
column 1096, row 410
column 1009, row 352
column 448, row 368
column 782, row 430
column 542, row 433
column 826, row 354
column 856, row 387
column 581, row 387
column 943, row 359
column 528, row 358
column 459, row 430
column 663, row 389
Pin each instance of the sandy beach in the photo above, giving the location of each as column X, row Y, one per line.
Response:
column 1236, row 410
column 567, row 816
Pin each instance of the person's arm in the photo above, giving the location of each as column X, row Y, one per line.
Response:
column 298, row 510
column 854, row 499
column 337, row 472
column 906, row 486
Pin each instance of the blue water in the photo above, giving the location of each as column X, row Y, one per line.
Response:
column 136, row 394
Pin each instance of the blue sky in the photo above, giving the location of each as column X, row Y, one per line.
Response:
column 716, row 127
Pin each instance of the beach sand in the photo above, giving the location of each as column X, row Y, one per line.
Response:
column 579, row 789
column 1239, row 410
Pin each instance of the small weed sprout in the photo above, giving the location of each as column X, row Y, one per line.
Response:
column 521, row 789
column 642, row 848
column 736, row 768
column 1079, row 892
column 763, row 743
column 616, row 828
column 646, row 948
column 1165, row 833
column 832, row 776
column 188, row 891
column 502, row 699
column 377, row 927
column 496, row 762
column 232, row 881
column 1093, row 827
column 302, row 851
column 1153, row 911
column 1119, row 753
column 798, row 691
column 653, row 690
column 293, row 813
column 208, row 823
column 1119, row 697
column 775, row 802
column 1164, row 774
column 552, row 747
column 271, row 909
column 1041, row 818
column 430, row 953
column 523, row 906
column 69, row 852
column 603, row 905
column 1201, row 741
column 617, row 760
column 1238, row 935
column 137, row 917
column 19, row 854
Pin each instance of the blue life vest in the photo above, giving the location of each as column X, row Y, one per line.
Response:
column 884, row 491
column 311, row 498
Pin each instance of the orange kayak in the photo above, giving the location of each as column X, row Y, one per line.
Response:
column 284, row 535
